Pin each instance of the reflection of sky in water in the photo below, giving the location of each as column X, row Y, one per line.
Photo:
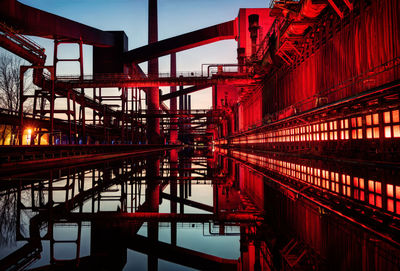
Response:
column 201, row 193
column 190, row 236
column 193, row 236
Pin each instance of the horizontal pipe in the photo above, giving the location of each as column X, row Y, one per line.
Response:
column 163, row 217
column 227, row 30
column 36, row 22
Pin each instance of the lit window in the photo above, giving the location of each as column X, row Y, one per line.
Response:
column 389, row 190
column 386, row 117
column 372, row 122
column 375, row 191
column 395, row 115
column 356, row 128
column 333, row 134
column 344, row 126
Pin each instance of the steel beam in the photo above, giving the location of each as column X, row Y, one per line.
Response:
column 36, row 22
column 227, row 30
column 174, row 94
column 68, row 83
column 162, row 217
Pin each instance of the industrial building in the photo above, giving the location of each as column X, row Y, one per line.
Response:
column 296, row 165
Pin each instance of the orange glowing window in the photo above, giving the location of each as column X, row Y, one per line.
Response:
column 372, row 129
column 376, row 132
column 369, row 132
column 386, row 117
column 371, row 185
column 397, row 192
column 368, row 119
column 316, row 132
column 395, row 116
column 388, row 131
column 356, row 125
column 378, row 200
column 378, row 187
column 361, row 183
column 389, row 190
column 355, row 180
column 396, row 130
column 344, row 125
column 375, row 119
column 354, row 122
column 390, row 205
column 371, row 199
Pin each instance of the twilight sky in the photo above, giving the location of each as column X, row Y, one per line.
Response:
column 175, row 17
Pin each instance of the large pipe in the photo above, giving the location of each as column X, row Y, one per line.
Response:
column 35, row 22
column 223, row 31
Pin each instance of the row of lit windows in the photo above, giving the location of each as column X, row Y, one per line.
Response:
column 343, row 129
column 354, row 187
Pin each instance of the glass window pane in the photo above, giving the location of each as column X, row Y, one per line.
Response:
column 376, row 118
column 388, row 131
column 395, row 115
column 386, row 117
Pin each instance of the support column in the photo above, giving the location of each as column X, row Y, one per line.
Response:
column 181, row 97
column 173, row 104
column 21, row 104
column 153, row 95
column 174, row 192
column 153, row 202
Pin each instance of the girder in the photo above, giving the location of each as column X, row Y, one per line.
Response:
column 36, row 22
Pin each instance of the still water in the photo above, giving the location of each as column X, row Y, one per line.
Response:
column 202, row 210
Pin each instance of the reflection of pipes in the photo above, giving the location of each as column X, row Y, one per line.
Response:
column 211, row 233
column 253, row 28
column 162, row 217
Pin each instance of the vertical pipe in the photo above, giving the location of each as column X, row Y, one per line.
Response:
column 189, row 125
column 153, row 128
column 21, row 104
column 74, row 109
column 180, row 118
column 69, row 116
column 53, row 77
column 174, row 192
column 153, row 96
column 82, row 107
column 173, row 105
column 94, row 111
column 181, row 99
column 153, row 201
column 215, row 97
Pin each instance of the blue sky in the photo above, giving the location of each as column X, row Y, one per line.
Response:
column 175, row 17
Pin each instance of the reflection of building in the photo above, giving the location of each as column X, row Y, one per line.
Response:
column 110, row 197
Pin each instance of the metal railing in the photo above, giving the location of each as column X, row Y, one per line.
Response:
column 122, row 76
column 22, row 41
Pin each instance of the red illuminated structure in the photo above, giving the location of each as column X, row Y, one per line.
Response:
column 313, row 80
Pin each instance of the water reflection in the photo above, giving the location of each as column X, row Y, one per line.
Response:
column 174, row 211
column 203, row 210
